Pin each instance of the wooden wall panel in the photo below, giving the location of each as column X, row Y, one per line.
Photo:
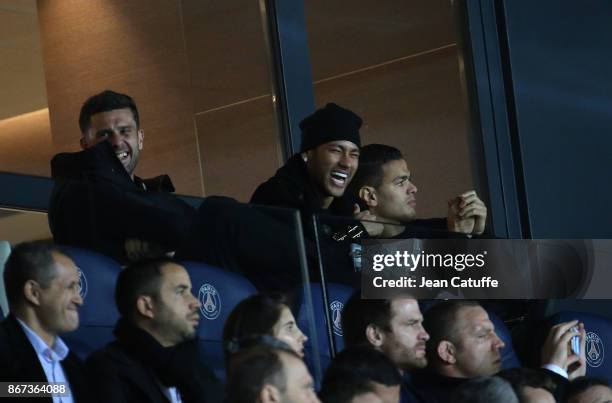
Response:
column 226, row 52
column 26, row 144
column 417, row 106
column 346, row 35
column 136, row 47
column 239, row 148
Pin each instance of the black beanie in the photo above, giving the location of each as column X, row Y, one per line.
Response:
column 327, row 124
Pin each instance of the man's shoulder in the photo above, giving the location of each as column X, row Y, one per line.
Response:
column 286, row 187
column 111, row 355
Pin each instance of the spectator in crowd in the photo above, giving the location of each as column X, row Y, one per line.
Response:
column 589, row 390
column 358, row 372
column 530, row 385
column 262, row 315
column 383, row 186
column 99, row 203
column 155, row 356
column 268, row 375
column 42, row 288
column 394, row 327
column 464, row 345
column 485, row 390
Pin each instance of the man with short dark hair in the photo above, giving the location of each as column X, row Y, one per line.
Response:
column 383, row 186
column 268, row 375
column 359, row 371
column 155, row 357
column 42, row 287
column 99, row 203
column 394, row 327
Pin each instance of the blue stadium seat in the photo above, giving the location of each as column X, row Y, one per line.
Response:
column 338, row 294
column 598, row 332
column 508, row 355
column 218, row 291
column 98, row 314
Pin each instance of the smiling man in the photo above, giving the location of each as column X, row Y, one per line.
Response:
column 155, row 357
column 42, row 287
column 321, row 172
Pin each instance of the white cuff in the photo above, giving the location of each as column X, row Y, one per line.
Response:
column 556, row 369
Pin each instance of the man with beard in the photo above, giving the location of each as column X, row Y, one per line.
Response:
column 99, row 203
column 394, row 327
column 155, row 357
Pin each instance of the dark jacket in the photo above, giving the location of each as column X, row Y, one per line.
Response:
column 136, row 368
column 19, row 363
column 95, row 204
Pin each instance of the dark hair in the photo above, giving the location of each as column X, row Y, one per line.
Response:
column 358, row 314
column 253, row 316
column 104, row 102
column 353, row 371
column 580, row 385
column 440, row 322
column 485, row 390
column 520, row 378
column 29, row 261
column 251, row 369
column 142, row 278
column 371, row 159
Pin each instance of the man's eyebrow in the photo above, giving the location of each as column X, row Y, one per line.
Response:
column 103, row 131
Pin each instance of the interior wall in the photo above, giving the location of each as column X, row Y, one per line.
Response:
column 396, row 66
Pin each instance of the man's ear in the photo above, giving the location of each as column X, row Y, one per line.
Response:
column 140, row 139
column 144, row 305
column 31, row 292
column 368, row 195
column 83, row 142
column 447, row 352
column 374, row 335
column 269, row 394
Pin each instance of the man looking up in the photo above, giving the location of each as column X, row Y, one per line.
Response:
column 383, row 186
column 155, row 357
column 394, row 327
column 42, row 288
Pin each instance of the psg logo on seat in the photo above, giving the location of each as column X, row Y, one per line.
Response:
column 210, row 301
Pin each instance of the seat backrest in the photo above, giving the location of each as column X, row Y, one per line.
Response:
column 98, row 314
column 219, row 291
column 508, row 355
column 338, row 294
column 5, row 251
column 598, row 333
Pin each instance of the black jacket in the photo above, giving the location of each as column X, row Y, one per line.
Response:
column 136, row 368
column 95, row 204
column 19, row 363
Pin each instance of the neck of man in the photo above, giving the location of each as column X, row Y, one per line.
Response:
column 392, row 230
column 450, row 371
column 29, row 317
column 157, row 332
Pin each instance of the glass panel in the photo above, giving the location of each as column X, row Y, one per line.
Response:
column 202, row 86
column 403, row 80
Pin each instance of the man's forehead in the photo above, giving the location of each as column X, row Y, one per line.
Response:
column 395, row 168
column 174, row 275
column 349, row 145
column 407, row 308
column 473, row 318
column 64, row 266
column 115, row 116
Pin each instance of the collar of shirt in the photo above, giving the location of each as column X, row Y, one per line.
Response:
column 57, row 352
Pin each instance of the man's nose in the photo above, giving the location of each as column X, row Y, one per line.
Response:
column 499, row 343
column 114, row 138
column 412, row 188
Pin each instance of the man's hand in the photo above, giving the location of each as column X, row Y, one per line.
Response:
column 138, row 249
column 556, row 349
column 368, row 220
column 467, row 214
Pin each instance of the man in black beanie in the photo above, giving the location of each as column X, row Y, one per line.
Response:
column 321, row 172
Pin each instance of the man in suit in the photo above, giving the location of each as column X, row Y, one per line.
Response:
column 42, row 288
column 155, row 357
